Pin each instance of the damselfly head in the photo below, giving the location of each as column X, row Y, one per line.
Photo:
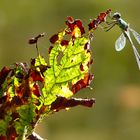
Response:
column 116, row 15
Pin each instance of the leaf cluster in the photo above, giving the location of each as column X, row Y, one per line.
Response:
column 29, row 92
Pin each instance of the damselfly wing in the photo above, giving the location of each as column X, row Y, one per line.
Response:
column 136, row 35
column 120, row 42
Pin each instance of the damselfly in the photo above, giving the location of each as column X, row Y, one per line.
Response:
column 121, row 41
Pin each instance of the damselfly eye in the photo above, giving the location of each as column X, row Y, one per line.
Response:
column 116, row 15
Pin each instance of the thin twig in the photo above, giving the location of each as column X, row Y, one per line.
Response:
column 35, row 136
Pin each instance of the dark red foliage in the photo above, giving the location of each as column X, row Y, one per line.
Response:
column 63, row 103
column 54, row 38
column 101, row 18
column 50, row 48
column 36, row 90
column 20, row 90
column 81, row 67
column 82, row 83
column 70, row 19
column 32, row 62
column 35, row 39
column 27, row 92
column 15, row 115
column 22, row 94
column 4, row 99
column 64, row 42
column 3, row 74
column 90, row 62
column 72, row 23
column 93, row 24
column 11, row 133
column 17, row 101
column 35, row 75
column 87, row 46
column 3, row 138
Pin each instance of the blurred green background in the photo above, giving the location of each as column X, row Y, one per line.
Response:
column 116, row 86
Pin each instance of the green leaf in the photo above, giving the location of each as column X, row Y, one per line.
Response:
column 27, row 112
column 65, row 62
column 4, row 124
column 3, row 127
column 40, row 61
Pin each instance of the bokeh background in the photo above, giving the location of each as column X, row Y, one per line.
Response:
column 116, row 86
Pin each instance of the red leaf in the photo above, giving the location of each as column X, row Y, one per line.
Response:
column 64, row 42
column 3, row 74
column 81, row 67
column 36, row 76
column 90, row 62
column 87, row 46
column 4, row 99
column 101, row 18
column 50, row 48
column 36, row 90
column 82, row 83
column 3, row 138
column 63, row 103
column 71, row 23
column 17, row 101
column 93, row 24
column 70, row 19
column 11, row 133
column 54, row 38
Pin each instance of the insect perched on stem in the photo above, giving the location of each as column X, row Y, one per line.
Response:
column 121, row 41
column 34, row 40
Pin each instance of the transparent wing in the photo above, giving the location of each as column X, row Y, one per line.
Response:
column 134, row 49
column 120, row 42
column 136, row 55
column 136, row 35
